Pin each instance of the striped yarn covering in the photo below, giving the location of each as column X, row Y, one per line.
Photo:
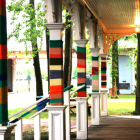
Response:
column 3, row 64
column 28, row 112
column 81, row 70
column 56, row 72
column 103, row 72
column 95, row 74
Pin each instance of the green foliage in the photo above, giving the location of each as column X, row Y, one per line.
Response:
column 124, row 49
column 74, row 73
column 31, row 25
column 46, row 77
column 74, row 94
column 88, row 59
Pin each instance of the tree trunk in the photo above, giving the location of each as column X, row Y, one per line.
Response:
column 137, row 107
column 117, row 72
column 68, row 53
column 36, row 64
column 114, row 67
column 48, row 62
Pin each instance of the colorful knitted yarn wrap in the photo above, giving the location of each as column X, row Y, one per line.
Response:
column 103, row 72
column 81, row 70
column 56, row 72
column 95, row 74
column 3, row 64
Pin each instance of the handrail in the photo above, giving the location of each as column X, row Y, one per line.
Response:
column 68, row 88
column 77, row 89
column 37, row 113
column 40, row 100
column 28, row 112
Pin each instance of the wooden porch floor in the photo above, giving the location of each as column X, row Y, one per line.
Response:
column 115, row 128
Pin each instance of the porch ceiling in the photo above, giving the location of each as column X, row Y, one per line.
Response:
column 116, row 16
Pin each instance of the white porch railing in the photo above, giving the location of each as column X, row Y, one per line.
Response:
column 37, row 126
column 18, row 121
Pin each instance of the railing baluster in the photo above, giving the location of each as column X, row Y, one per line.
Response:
column 37, row 126
column 18, row 130
column 67, row 114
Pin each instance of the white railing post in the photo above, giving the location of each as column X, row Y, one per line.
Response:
column 81, row 117
column 95, row 108
column 37, row 135
column 103, row 102
column 18, row 130
column 56, row 122
column 67, row 114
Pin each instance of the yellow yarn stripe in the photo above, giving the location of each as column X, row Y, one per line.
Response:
column 54, row 82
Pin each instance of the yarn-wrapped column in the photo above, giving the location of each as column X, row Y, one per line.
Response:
column 81, row 70
column 95, row 74
column 103, row 72
column 56, row 72
column 3, row 64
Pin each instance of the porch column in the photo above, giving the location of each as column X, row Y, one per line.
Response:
column 56, row 108
column 103, row 89
column 81, row 99
column 95, row 95
column 14, row 75
column 5, row 130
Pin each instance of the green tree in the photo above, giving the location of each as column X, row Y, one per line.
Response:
column 114, row 67
column 32, row 27
column 74, row 74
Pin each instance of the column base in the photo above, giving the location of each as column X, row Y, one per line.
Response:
column 5, row 132
column 95, row 108
column 81, row 117
column 56, row 122
column 103, row 102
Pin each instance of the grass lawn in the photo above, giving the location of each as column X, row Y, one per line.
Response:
column 124, row 97
column 114, row 108
column 44, row 115
column 121, row 108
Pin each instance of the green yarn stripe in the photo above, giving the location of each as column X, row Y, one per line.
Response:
column 95, row 58
column 95, row 77
column 68, row 88
column 55, row 43
column 82, row 89
column 3, row 83
column 81, row 49
column 3, row 113
column 59, row 100
column 95, row 90
column 103, row 71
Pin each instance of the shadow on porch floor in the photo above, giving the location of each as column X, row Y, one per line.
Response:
column 110, row 128
column 116, row 128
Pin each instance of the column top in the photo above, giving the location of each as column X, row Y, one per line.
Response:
column 95, row 51
column 103, row 90
column 103, row 55
column 81, row 98
column 55, row 108
column 95, row 93
column 81, row 42
column 55, row 26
